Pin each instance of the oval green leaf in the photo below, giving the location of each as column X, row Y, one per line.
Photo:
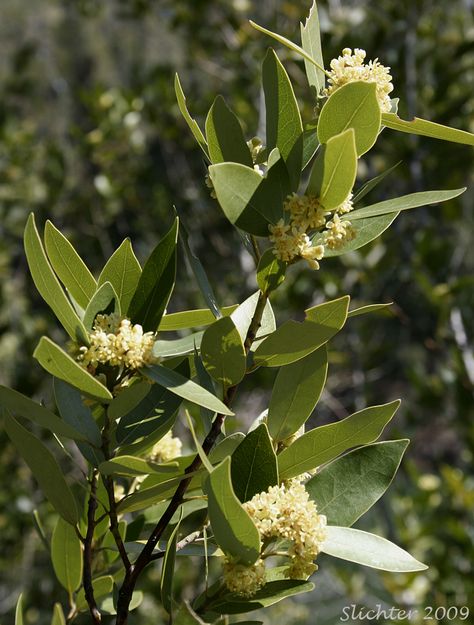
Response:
column 334, row 170
column 56, row 362
column 405, row 202
column 223, row 353
column 48, row 285
column 254, row 465
column 296, row 392
column 187, row 389
column 123, row 271
column 361, row 547
column 234, row 530
column 224, row 135
column 325, row 443
column 104, row 300
column 45, row 469
column 345, row 489
column 69, row 266
column 66, row 555
column 293, row 340
column 354, row 106
column 426, row 128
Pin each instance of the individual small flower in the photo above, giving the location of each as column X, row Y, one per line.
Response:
column 115, row 341
column 352, row 67
column 338, row 232
column 286, row 512
column 244, row 580
column 166, row 449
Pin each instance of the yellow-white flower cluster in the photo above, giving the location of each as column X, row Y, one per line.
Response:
column 352, row 67
column 116, row 341
column 244, row 580
column 338, row 232
column 291, row 241
column 281, row 513
column 166, row 449
column 286, row 512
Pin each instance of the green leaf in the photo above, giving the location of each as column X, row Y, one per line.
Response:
column 201, row 453
column 426, row 128
column 270, row 272
column 334, row 170
column 405, row 202
column 370, row 308
column 226, row 447
column 129, row 465
column 19, row 620
column 293, row 340
column 105, row 300
column 311, row 43
column 56, row 362
column 193, row 126
column 224, row 135
column 368, row 549
column 45, row 469
column 289, row 44
column 123, row 271
column 283, row 121
column 66, row 555
column 254, row 465
column 296, row 392
column 310, row 145
column 25, row 407
column 156, row 283
column 187, row 389
column 178, row 347
column 48, row 285
column 354, row 105
column 199, row 273
column 152, row 417
column 366, row 231
column 243, row 315
column 128, row 399
column 69, row 266
column 146, row 497
column 223, row 353
column 191, row 318
column 102, row 587
column 371, row 184
column 58, row 615
column 75, row 412
column 325, row 443
column 271, row 593
column 234, row 530
column 349, row 486
column 236, row 187
column 167, row 571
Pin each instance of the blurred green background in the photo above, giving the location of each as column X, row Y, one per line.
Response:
column 91, row 137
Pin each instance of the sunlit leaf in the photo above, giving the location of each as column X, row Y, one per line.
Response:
column 224, row 135
column 123, row 271
column 426, row 128
column 193, row 126
column 66, row 555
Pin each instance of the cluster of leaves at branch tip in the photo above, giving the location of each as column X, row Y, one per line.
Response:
column 273, row 497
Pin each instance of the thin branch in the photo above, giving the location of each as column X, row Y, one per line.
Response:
column 114, row 526
column 146, row 555
column 187, row 540
column 87, row 556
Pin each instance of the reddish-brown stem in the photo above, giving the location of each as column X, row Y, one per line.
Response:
column 87, row 554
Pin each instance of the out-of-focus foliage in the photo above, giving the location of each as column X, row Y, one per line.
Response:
column 91, row 136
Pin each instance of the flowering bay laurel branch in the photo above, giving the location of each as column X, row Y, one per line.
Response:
column 128, row 371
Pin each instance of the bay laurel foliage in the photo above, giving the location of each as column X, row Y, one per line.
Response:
column 265, row 502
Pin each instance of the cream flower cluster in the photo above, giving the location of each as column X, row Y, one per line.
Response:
column 116, row 341
column 286, row 512
column 281, row 513
column 352, row 67
column 244, row 580
column 291, row 241
column 338, row 232
column 166, row 449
